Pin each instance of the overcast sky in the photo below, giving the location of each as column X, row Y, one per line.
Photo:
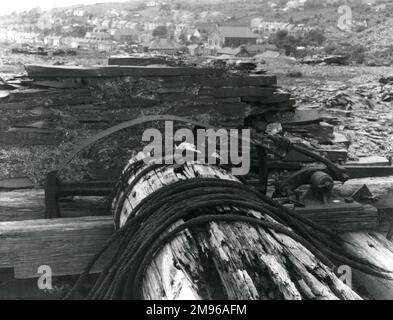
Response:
column 8, row 6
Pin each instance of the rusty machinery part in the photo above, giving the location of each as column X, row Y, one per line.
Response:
column 317, row 177
column 295, row 180
column 141, row 237
column 337, row 172
column 321, row 181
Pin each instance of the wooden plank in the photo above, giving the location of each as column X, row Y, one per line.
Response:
column 372, row 161
column 66, row 245
column 237, row 92
column 29, row 204
column 16, row 183
column 22, row 205
column 351, row 217
column 41, row 71
column 359, row 171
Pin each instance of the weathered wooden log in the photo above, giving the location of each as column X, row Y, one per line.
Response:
column 377, row 185
column 226, row 259
column 375, row 247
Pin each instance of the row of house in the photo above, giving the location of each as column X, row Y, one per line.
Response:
column 79, row 43
column 266, row 28
column 229, row 40
column 35, row 39
column 20, row 37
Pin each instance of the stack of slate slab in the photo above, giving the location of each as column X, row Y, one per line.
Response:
column 218, row 97
column 55, row 98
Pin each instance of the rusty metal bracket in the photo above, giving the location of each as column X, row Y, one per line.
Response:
column 51, row 198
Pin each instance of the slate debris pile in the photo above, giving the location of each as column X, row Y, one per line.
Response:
column 362, row 107
column 331, row 59
column 310, row 128
column 348, row 101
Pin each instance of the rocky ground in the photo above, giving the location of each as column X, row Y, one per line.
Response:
column 353, row 94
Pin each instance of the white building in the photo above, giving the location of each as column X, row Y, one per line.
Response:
column 52, row 41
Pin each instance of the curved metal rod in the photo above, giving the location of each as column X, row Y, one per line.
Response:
column 125, row 125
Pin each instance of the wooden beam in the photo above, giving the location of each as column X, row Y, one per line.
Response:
column 29, row 204
column 66, row 245
column 359, row 171
column 18, row 205
column 343, row 217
